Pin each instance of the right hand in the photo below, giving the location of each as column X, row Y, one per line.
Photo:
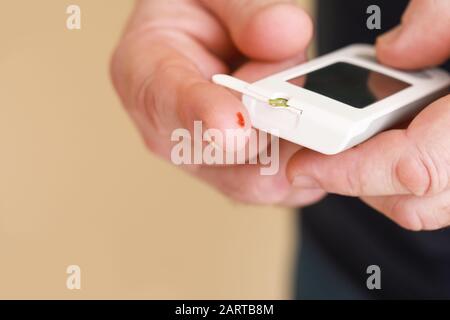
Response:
column 170, row 50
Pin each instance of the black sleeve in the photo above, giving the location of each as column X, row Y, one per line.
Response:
column 340, row 23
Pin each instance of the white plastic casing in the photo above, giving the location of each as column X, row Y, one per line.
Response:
column 328, row 126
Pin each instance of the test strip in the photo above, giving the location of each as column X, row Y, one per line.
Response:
column 244, row 88
column 237, row 85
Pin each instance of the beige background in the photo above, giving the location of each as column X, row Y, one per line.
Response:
column 78, row 187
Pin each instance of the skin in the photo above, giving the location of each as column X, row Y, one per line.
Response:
column 163, row 66
column 170, row 49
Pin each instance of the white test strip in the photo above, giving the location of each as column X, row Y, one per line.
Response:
column 237, row 85
column 246, row 88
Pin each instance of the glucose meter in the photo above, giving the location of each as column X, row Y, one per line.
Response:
column 338, row 100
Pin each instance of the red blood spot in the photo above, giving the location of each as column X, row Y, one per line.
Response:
column 241, row 120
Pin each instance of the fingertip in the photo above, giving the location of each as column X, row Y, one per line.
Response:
column 388, row 49
column 226, row 112
column 410, row 221
column 410, row 48
column 275, row 32
column 217, row 109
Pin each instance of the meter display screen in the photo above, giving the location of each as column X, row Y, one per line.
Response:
column 353, row 85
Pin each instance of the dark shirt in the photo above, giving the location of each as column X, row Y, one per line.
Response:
column 342, row 236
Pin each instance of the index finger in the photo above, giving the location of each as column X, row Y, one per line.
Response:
column 156, row 78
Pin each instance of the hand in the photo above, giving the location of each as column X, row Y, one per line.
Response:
column 404, row 174
column 164, row 62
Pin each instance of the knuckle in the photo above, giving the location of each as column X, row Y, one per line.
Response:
column 150, row 99
column 413, row 175
column 118, row 75
column 421, row 173
column 147, row 103
column 171, row 75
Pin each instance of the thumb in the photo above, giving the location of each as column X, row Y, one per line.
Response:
column 421, row 40
column 264, row 29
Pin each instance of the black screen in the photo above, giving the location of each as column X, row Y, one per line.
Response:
column 350, row 84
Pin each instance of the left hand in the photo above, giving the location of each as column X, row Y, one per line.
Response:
column 405, row 174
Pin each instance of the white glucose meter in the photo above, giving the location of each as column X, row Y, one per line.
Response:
column 338, row 100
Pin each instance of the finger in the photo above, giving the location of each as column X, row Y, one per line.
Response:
column 413, row 161
column 264, row 29
column 415, row 213
column 245, row 183
column 187, row 16
column 421, row 40
column 168, row 87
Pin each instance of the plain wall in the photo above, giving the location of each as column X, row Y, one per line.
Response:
column 77, row 186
